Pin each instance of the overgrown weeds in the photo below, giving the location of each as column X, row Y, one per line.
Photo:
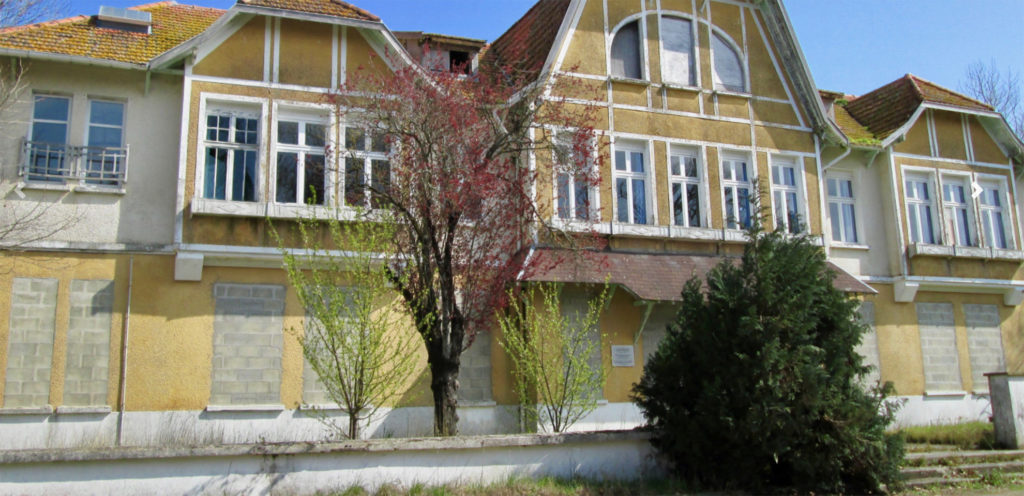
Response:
column 966, row 435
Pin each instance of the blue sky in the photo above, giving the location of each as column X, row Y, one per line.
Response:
column 850, row 45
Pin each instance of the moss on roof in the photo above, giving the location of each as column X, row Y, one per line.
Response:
column 336, row 8
column 173, row 24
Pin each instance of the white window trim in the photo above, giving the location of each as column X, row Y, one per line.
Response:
column 1008, row 210
column 744, row 63
column 305, row 112
column 965, row 180
column 645, row 72
column 88, row 118
column 209, row 101
column 694, row 52
column 593, row 191
column 799, row 188
column 928, row 176
column 854, row 179
column 647, row 176
column 367, row 156
column 701, row 181
column 751, row 183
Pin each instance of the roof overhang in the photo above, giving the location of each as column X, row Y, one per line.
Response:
column 905, row 288
column 652, row 277
column 993, row 122
column 72, row 59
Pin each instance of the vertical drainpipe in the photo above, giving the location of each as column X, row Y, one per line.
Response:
column 124, row 352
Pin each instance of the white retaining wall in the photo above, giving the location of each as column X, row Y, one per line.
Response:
column 309, row 469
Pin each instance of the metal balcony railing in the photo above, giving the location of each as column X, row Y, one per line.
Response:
column 60, row 163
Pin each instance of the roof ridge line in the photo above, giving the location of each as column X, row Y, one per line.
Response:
column 51, row 22
column 941, row 87
column 913, row 84
column 357, row 9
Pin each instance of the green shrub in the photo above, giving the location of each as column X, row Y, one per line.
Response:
column 756, row 386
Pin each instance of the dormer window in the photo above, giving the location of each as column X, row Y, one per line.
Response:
column 134, row 21
column 625, row 56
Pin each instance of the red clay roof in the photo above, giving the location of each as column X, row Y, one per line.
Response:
column 886, row 109
column 653, row 277
column 173, row 24
column 336, row 8
column 525, row 46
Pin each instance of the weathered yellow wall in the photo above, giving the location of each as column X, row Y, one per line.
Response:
column 950, row 133
column 899, row 339
column 361, row 56
column 916, row 142
column 619, row 325
column 238, row 57
column 65, row 268
column 306, row 53
column 985, row 148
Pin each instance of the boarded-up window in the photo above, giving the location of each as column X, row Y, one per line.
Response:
column 677, row 58
column 728, row 69
column 938, row 347
column 626, row 52
column 984, row 342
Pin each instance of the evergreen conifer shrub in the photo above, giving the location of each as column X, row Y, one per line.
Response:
column 757, row 385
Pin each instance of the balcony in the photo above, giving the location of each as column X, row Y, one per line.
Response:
column 61, row 165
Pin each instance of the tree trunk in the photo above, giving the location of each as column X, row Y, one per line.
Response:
column 444, row 384
column 353, row 426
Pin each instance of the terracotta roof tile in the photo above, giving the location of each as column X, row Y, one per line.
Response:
column 525, row 46
column 654, row 277
column 173, row 24
column 325, row 7
column 886, row 109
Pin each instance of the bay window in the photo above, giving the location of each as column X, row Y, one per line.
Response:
column 630, row 176
column 736, row 191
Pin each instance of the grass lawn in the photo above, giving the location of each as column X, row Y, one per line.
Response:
column 967, row 435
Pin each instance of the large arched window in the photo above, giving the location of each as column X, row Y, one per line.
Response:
column 677, row 60
column 728, row 66
column 625, row 56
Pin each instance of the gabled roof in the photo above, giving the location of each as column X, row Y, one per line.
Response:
column 888, row 108
column 335, row 8
column 79, row 36
column 526, row 45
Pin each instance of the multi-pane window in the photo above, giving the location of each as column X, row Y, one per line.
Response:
column 677, row 51
column 920, row 208
column 104, row 157
column 630, row 185
column 571, row 183
column 301, row 160
column 625, row 52
column 47, row 147
column 736, row 189
column 842, row 210
column 367, row 169
column 684, row 182
column 785, row 196
column 230, row 159
column 956, row 209
column 991, row 204
column 728, row 65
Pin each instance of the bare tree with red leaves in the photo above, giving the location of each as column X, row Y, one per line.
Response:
column 462, row 190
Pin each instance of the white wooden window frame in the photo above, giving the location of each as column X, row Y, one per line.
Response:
column 641, row 47
column 741, row 57
column 367, row 156
column 680, row 152
column 797, row 188
column 694, row 69
column 728, row 159
column 841, row 201
column 950, row 221
column 647, row 177
column 593, row 193
column 304, row 114
column 1000, row 184
column 230, row 103
column 917, row 205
